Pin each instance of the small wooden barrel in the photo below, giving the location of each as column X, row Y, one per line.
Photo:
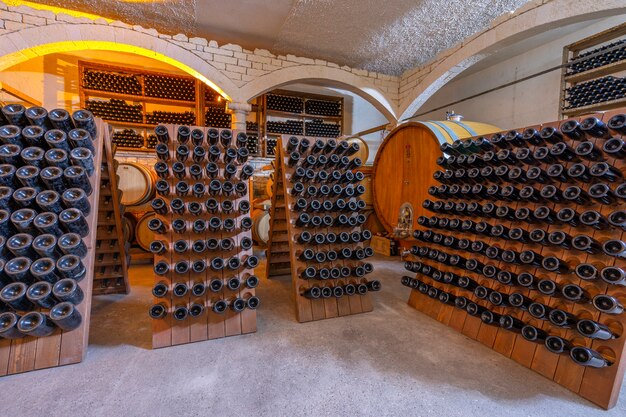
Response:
column 143, row 235
column 260, row 226
column 129, row 223
column 364, row 152
column 136, row 182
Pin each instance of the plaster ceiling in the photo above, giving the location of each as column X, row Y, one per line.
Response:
column 384, row 36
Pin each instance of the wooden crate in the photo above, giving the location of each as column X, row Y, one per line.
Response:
column 381, row 245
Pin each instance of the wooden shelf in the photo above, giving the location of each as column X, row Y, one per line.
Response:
column 597, row 72
column 145, row 99
column 605, row 105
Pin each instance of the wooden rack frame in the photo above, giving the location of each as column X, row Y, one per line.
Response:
column 62, row 347
column 572, row 51
column 209, row 325
column 306, row 309
column 112, row 259
column 598, row 385
column 199, row 105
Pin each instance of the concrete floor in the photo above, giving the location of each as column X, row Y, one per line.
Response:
column 393, row 361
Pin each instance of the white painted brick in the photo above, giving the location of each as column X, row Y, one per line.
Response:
column 240, row 55
column 332, row 65
column 213, row 44
column 269, row 67
column 346, row 68
column 264, row 52
column 51, row 21
column 1, row 23
column 12, row 26
column 165, row 36
column 359, row 72
column 244, row 63
column 200, row 48
column 218, row 51
column 180, row 37
column 235, row 68
column 199, row 41
column 232, row 47
column 300, row 60
column 233, row 75
column 3, row 6
column 261, row 59
column 185, row 45
column 225, row 59
column 277, row 62
column 247, row 78
column 205, row 55
column 320, row 62
column 12, row 16
column 219, row 65
column 255, row 72
column 290, row 64
column 115, row 23
column 257, row 65
column 46, row 14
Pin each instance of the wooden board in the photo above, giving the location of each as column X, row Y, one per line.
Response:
column 62, row 347
column 599, row 385
column 208, row 325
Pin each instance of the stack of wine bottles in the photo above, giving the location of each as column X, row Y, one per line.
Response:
column 112, row 82
column 47, row 198
column 595, row 91
column 270, row 146
column 169, row 87
column 115, row 110
column 323, row 107
column 127, row 138
column 318, row 128
column 252, row 127
column 287, row 127
column 204, row 266
column 253, row 145
column 598, row 57
column 327, row 239
column 525, row 248
column 217, row 117
column 158, row 116
column 290, row 104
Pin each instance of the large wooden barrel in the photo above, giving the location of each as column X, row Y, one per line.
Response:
column 136, row 182
column 368, row 196
column 364, row 152
column 260, row 226
column 143, row 235
column 405, row 163
column 129, row 223
column 261, row 187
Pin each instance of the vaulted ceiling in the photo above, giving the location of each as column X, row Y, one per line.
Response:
column 384, row 36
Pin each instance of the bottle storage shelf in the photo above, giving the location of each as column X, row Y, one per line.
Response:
column 203, row 261
column 591, row 74
column 317, row 229
column 523, row 249
column 136, row 101
column 50, row 340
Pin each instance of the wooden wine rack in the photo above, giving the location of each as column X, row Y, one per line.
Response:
column 61, row 347
column 209, row 325
column 277, row 253
column 598, row 385
column 306, row 309
column 112, row 259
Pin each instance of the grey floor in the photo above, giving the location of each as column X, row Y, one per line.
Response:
column 393, row 361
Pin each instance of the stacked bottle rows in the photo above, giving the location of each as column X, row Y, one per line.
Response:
column 217, row 117
column 158, row 116
column 320, row 129
column 115, row 110
column 46, row 161
column 322, row 107
column 287, row 127
column 172, row 88
column 526, row 235
column 252, row 127
column 152, row 141
column 253, row 144
column 598, row 57
column 111, row 81
column 203, row 247
column 330, row 241
column 595, row 91
column 127, row 138
column 270, row 146
column 290, row 104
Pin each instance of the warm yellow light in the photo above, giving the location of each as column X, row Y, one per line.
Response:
column 18, row 57
column 56, row 10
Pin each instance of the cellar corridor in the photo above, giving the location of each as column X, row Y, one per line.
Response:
column 401, row 361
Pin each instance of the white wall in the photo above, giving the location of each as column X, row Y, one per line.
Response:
column 526, row 103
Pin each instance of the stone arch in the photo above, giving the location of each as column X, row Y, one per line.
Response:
column 527, row 22
column 19, row 46
column 333, row 77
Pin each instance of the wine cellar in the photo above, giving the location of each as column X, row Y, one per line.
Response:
column 287, row 208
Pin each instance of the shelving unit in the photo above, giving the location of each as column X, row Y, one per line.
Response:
column 572, row 52
column 204, row 97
